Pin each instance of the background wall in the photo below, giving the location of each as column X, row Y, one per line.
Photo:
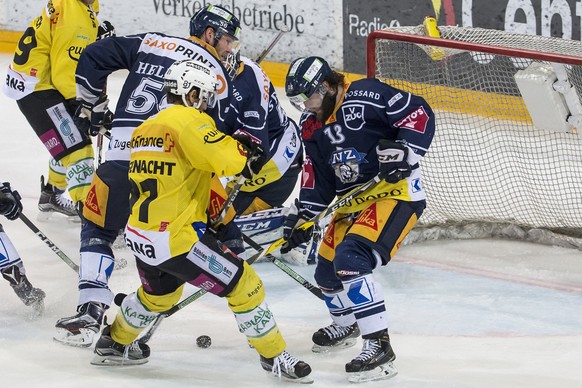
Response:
column 334, row 29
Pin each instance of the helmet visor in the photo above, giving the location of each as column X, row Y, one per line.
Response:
column 309, row 104
column 210, row 98
column 298, row 102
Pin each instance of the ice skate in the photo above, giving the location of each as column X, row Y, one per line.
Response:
column 288, row 367
column 29, row 295
column 111, row 353
column 53, row 200
column 374, row 362
column 335, row 337
column 80, row 329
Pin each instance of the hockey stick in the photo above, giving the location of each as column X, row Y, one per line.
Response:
column 330, row 209
column 230, row 200
column 177, row 307
column 288, row 270
column 268, row 49
column 48, row 242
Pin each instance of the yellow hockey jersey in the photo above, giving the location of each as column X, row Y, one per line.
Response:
column 173, row 157
column 46, row 55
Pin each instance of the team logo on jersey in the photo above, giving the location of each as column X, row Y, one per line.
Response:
column 75, row 52
column 415, row 121
column 353, row 116
column 346, row 164
column 168, row 143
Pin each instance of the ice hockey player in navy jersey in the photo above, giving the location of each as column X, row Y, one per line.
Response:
column 147, row 57
column 352, row 132
column 257, row 112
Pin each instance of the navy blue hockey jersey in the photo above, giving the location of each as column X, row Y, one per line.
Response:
column 147, row 57
column 341, row 154
column 255, row 109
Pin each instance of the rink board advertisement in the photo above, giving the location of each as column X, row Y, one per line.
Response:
column 560, row 18
column 315, row 27
column 336, row 30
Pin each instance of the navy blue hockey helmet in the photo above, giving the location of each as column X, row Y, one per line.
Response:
column 304, row 78
column 219, row 19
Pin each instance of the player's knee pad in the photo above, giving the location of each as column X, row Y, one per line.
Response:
column 340, row 307
column 253, row 317
column 80, row 170
column 261, row 330
column 325, row 276
column 367, row 301
column 95, row 269
column 353, row 258
column 132, row 317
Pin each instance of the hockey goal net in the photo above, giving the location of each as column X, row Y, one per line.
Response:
column 506, row 159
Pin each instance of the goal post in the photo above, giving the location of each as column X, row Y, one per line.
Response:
column 506, row 159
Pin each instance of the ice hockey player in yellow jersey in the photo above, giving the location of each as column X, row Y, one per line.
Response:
column 174, row 155
column 41, row 78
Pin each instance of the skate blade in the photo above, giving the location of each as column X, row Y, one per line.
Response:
column 382, row 372
column 45, row 216
column 116, row 361
column 82, row 340
column 300, row 380
column 347, row 343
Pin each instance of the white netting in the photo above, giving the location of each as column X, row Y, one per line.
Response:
column 488, row 164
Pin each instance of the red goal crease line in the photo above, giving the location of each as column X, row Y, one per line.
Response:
column 492, row 275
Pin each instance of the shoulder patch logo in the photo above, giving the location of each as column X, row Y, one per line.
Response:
column 415, row 121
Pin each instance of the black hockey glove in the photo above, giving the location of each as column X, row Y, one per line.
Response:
column 256, row 156
column 10, row 204
column 392, row 157
column 97, row 114
column 105, row 30
column 295, row 218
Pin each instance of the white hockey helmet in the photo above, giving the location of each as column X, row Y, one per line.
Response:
column 182, row 76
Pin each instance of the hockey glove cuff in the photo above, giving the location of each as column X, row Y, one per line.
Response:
column 97, row 114
column 256, row 156
column 393, row 160
column 295, row 218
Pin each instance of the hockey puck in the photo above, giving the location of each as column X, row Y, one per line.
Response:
column 203, row 341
